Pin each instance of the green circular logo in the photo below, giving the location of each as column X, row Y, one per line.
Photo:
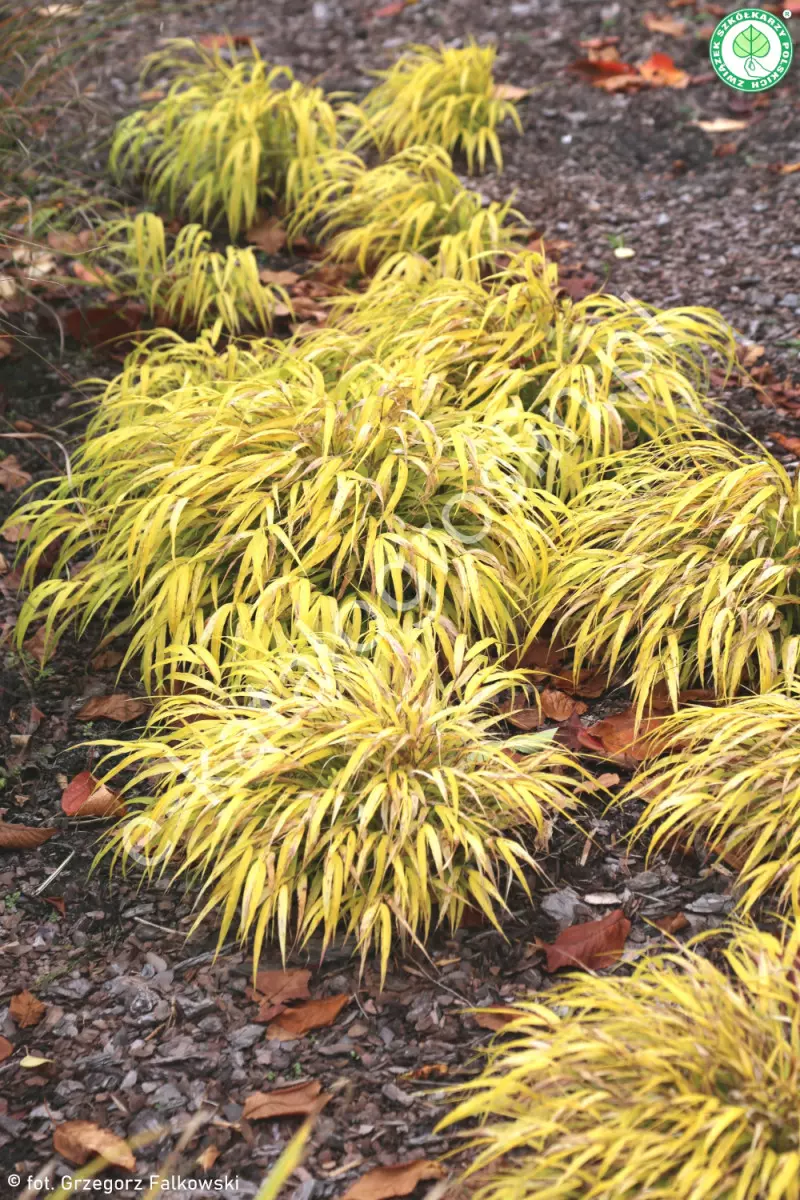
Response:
column 751, row 50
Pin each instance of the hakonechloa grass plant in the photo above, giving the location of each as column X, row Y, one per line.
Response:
column 683, row 566
column 231, row 133
column 680, row 1081
column 731, row 778
column 190, row 284
column 411, row 204
column 318, row 790
column 443, row 97
column 208, row 504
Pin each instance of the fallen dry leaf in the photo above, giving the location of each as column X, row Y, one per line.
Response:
column 78, row 1141
column 35, row 645
column 509, row 91
column 217, row 41
column 86, row 796
column 664, row 24
column 520, row 714
column 660, row 71
column 426, row 1071
column 788, row 441
column 12, row 475
column 26, row 1009
column 281, row 987
column 64, row 242
column 721, row 125
column 494, row 1018
column 23, row 837
column 578, row 287
column 558, row 706
column 6, row 345
column 15, row 533
column 206, row 1158
column 56, row 902
column 620, row 739
column 116, row 707
column 540, row 657
column 284, row 278
column 297, row 1100
column 662, row 703
column 788, row 168
column 725, row 149
column 6, row 1049
column 390, row 10
column 104, row 323
column 106, row 659
column 95, row 277
column 269, row 235
column 314, row 1014
column 672, row 923
column 383, row 1183
column 592, row 945
column 31, row 1061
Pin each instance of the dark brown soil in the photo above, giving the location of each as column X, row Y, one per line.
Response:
column 145, row 1028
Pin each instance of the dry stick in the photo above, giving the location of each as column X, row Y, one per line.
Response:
column 55, row 873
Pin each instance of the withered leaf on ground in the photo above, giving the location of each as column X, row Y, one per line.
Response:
column 672, row 923
column 269, row 235
column 509, row 91
column 592, row 945
column 284, row 278
column 78, row 1141
column 218, row 41
column 520, row 714
column 15, row 533
column 86, row 796
column 297, row 1100
column 99, row 324
column 35, row 644
column 558, row 706
column 721, row 125
column 314, row 1014
column 106, row 659
column 26, row 1010
column 12, row 475
column 281, row 987
column 6, row 1048
column 23, row 837
column 116, row 707
column 788, row 441
column 383, row 1183
column 494, row 1018
column 621, row 740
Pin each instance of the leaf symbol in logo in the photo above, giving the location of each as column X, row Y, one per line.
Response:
column 751, row 43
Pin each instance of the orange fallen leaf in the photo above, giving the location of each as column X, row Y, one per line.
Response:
column 383, row 1183
column 104, row 323
column 619, row 739
column 78, row 1141
column 520, row 714
column 592, row 945
column 672, row 923
column 788, row 168
column 314, row 1014
column 283, row 278
column 672, row 26
column 116, row 707
column 297, row 1100
column 427, row 1071
column 35, row 645
column 662, row 703
column 6, row 345
column 26, row 1009
column 6, row 1049
column 280, row 987
column 106, row 659
column 217, row 41
column 558, row 706
column 56, row 902
column 23, row 837
column 539, row 657
column 494, row 1018
column 12, row 475
column 206, row 1158
column 95, row 277
column 660, row 71
column 269, row 235
column 598, row 69
column 390, row 10
column 86, row 796
column 788, row 441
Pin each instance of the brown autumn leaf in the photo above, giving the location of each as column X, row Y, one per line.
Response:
column 788, row 441
column 58, row 903
column 509, row 91
column 86, row 796
column 592, row 945
column 116, row 707
column 578, row 287
column 218, row 41
column 106, row 659
column 384, row 1183
column 26, row 1009
column 94, row 277
column 619, row 739
column 6, row 1049
column 314, row 1014
column 281, row 987
column 558, row 706
column 12, row 475
column 788, row 168
column 78, row 1141
column 539, row 657
column 721, row 125
column 297, row 1100
column 15, row 533
column 426, row 1071
column 659, row 70
column 206, row 1158
column 23, row 837
column 725, row 149
column 269, row 235
column 65, row 242
column 600, row 70
column 494, row 1018
column 35, row 645
column 283, row 278
column 104, row 323
column 656, row 23
column 520, row 714
column 662, row 703
column 672, row 922
column 6, row 345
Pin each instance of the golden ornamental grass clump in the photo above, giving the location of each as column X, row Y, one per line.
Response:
column 317, row 789
column 208, row 504
column 233, row 132
column 730, row 778
column 186, row 283
column 444, row 97
column 683, row 566
column 680, row 1081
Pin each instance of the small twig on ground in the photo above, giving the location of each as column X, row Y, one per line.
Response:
column 55, row 873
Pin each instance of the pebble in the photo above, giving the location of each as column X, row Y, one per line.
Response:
column 790, row 300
